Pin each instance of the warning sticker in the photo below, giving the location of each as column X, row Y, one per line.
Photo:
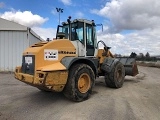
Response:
column 28, row 60
column 50, row 54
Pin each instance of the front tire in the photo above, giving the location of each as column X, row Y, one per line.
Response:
column 115, row 78
column 80, row 82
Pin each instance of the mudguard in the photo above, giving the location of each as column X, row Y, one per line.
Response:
column 92, row 62
column 108, row 64
column 53, row 67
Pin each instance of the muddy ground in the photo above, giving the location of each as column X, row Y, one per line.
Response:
column 138, row 99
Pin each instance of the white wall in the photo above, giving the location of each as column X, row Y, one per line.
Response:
column 14, row 39
column 12, row 45
column 33, row 37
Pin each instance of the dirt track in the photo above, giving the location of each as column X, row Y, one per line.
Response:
column 138, row 99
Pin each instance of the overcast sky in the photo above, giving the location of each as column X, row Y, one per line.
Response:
column 129, row 25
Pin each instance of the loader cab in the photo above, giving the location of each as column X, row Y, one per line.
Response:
column 80, row 32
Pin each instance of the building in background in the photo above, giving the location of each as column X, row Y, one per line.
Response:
column 14, row 39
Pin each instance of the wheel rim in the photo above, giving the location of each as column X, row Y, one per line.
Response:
column 84, row 82
column 119, row 75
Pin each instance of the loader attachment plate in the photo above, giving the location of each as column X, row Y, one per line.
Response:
column 130, row 65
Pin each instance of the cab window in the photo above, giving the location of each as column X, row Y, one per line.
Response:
column 77, row 32
column 89, row 39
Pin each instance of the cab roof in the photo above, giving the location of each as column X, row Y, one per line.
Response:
column 80, row 20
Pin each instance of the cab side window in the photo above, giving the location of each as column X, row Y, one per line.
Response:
column 77, row 32
column 89, row 39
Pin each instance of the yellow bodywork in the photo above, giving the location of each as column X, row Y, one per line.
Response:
column 60, row 45
column 48, row 74
column 102, row 54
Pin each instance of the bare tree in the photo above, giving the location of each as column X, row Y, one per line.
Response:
column 133, row 55
column 141, row 55
column 147, row 55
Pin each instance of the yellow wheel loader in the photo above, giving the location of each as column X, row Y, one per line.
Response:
column 71, row 63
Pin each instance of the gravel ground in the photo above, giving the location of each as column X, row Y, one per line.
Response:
column 138, row 99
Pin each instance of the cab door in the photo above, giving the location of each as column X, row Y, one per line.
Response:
column 90, row 49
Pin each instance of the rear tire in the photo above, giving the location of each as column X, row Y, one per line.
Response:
column 115, row 78
column 80, row 82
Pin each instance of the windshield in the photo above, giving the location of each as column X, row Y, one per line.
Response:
column 65, row 30
column 76, row 31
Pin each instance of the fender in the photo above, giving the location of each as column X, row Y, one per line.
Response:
column 92, row 62
column 107, row 64
column 53, row 67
